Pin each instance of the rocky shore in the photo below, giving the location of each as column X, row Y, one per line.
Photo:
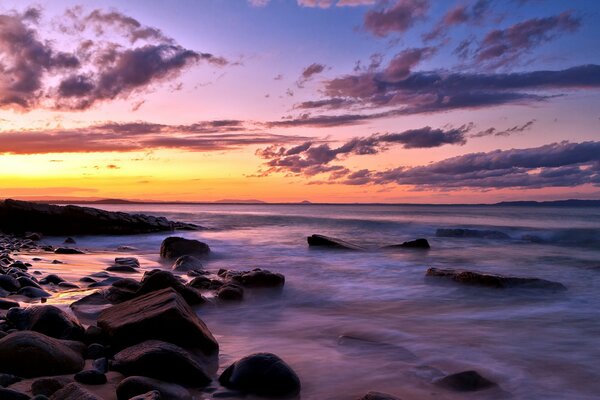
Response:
column 143, row 339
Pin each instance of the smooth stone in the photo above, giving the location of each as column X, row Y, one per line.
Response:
column 52, row 278
column 127, row 261
column 73, row 391
column 378, row 396
column 57, row 262
column 68, row 285
column 203, row 282
column 137, row 385
column 187, row 263
column 125, row 269
column 67, row 250
column 100, row 364
column 6, row 304
column 48, row 386
column 94, row 351
column 152, row 395
column 27, row 282
column 263, row 374
column 259, row 278
column 158, row 279
column 174, row 247
column 9, row 283
column 33, row 293
column 466, row 381
column 90, row 377
column 8, row 379
column 49, row 320
column 329, row 242
column 230, row 292
column 128, row 284
column 10, row 394
column 69, row 240
column 87, row 279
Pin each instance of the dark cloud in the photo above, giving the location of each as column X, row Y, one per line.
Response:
column 458, row 15
column 308, row 72
column 311, row 158
column 140, row 136
column 395, row 18
column 402, row 64
column 503, row 46
column 506, row 132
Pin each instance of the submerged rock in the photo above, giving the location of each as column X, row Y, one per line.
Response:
column 471, row 233
column 187, row 263
column 493, row 280
column 139, row 385
column 466, row 381
column 174, row 247
column 378, row 396
column 420, row 243
column 230, row 292
column 158, row 279
column 259, row 278
column 49, row 320
column 67, row 250
column 329, row 242
column 263, row 374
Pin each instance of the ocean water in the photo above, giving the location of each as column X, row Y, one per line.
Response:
column 350, row 322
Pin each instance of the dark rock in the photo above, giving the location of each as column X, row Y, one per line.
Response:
column 100, row 364
column 25, row 282
column 493, row 280
column 34, row 236
column 202, row 282
column 259, row 278
column 106, row 282
column 158, row 279
column 69, row 240
column 91, row 377
column 52, row 278
column 329, row 242
column 231, row 292
column 87, row 279
column 57, row 262
column 263, row 374
column 93, row 334
column 116, row 295
column 101, row 274
column 471, row 233
column 378, row 396
column 137, row 385
column 131, row 261
column 196, row 272
column 73, row 391
column 67, row 285
column 6, row 304
column 40, row 397
column 8, row 379
column 31, row 354
column 175, row 247
column 48, row 386
column 49, row 320
column 126, row 269
column 94, row 351
column 466, row 381
column 420, row 243
column 19, row 216
column 187, row 263
column 160, row 315
column 33, row 293
column 150, row 358
column 128, row 284
column 9, row 283
column 152, row 395
column 10, row 394
column 67, row 250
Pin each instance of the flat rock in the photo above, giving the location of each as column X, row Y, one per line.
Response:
column 150, row 358
column 332, row 243
column 263, row 374
column 420, row 243
column 67, row 250
column 493, row 280
column 125, row 269
column 466, row 381
column 160, row 315
column 49, row 320
column 174, row 247
column 31, row 354
column 138, row 385
column 471, row 233
column 73, row 391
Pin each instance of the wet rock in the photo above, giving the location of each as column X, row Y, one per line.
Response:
column 158, row 279
column 49, row 320
column 101, row 274
column 471, row 233
column 48, row 386
column 378, row 396
column 87, row 279
column 128, row 284
column 33, row 293
column 19, row 216
column 100, row 364
column 152, row 395
column 69, row 240
column 174, row 247
column 68, row 285
column 10, row 394
column 106, row 282
column 67, row 250
column 332, row 243
column 493, row 280
column 33, row 236
column 25, row 282
column 231, row 292
column 202, row 282
column 263, row 374
column 420, row 243
column 94, row 351
column 138, row 385
column 116, row 295
column 40, row 397
column 57, row 261
column 132, row 261
column 90, row 377
column 6, row 304
column 150, row 358
column 466, row 381
column 160, row 315
column 51, row 279
column 125, row 269
column 8, row 379
column 259, row 278
column 93, row 334
column 31, row 354
column 187, row 263
column 73, row 391
column 9, row 283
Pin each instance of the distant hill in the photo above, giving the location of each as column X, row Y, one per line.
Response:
column 555, row 203
column 236, row 201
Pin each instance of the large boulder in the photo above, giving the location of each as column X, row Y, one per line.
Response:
column 48, row 386
column 138, row 385
column 466, row 381
column 258, row 278
column 263, row 374
column 187, row 263
column 329, row 242
column 158, row 279
column 174, row 247
column 21, row 216
column 9, row 283
column 31, row 354
column 493, row 280
column 150, row 358
column 161, row 315
column 73, row 391
column 49, row 320
column 10, row 394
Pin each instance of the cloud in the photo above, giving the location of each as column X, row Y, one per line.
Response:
column 311, row 158
column 140, row 136
column 503, row 46
column 258, row 3
column 506, row 132
column 402, row 64
column 458, row 15
column 397, row 18
column 338, row 3
column 308, row 72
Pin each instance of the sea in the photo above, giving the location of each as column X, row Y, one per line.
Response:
column 351, row 322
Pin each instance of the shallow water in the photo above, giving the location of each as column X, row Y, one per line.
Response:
column 411, row 330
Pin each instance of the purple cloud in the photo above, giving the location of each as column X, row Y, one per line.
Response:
column 397, row 18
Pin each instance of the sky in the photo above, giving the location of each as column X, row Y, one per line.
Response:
column 392, row 101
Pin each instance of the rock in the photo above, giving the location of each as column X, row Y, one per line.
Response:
column 52, row 278
column 20, row 216
column 187, row 263
column 67, row 250
column 57, row 262
column 9, row 394
column 100, row 364
column 116, row 295
column 471, row 233
column 31, row 354
column 69, row 240
column 132, row 261
column 94, row 351
column 175, row 247
column 157, row 279
column 378, row 396
column 150, row 358
column 8, row 379
column 231, row 292
column 466, row 381
column 128, row 284
column 73, row 391
column 137, row 385
column 202, row 282
column 263, row 374
column 9, row 283
column 40, row 397
column 49, row 320
column 67, row 285
column 33, row 293
column 91, row 377
column 6, row 304
column 152, row 395
column 25, row 282
column 494, row 280
column 126, row 269
column 259, row 278
column 329, row 242
column 36, row 237
column 87, row 279
column 420, row 243
column 48, row 386
column 160, row 315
